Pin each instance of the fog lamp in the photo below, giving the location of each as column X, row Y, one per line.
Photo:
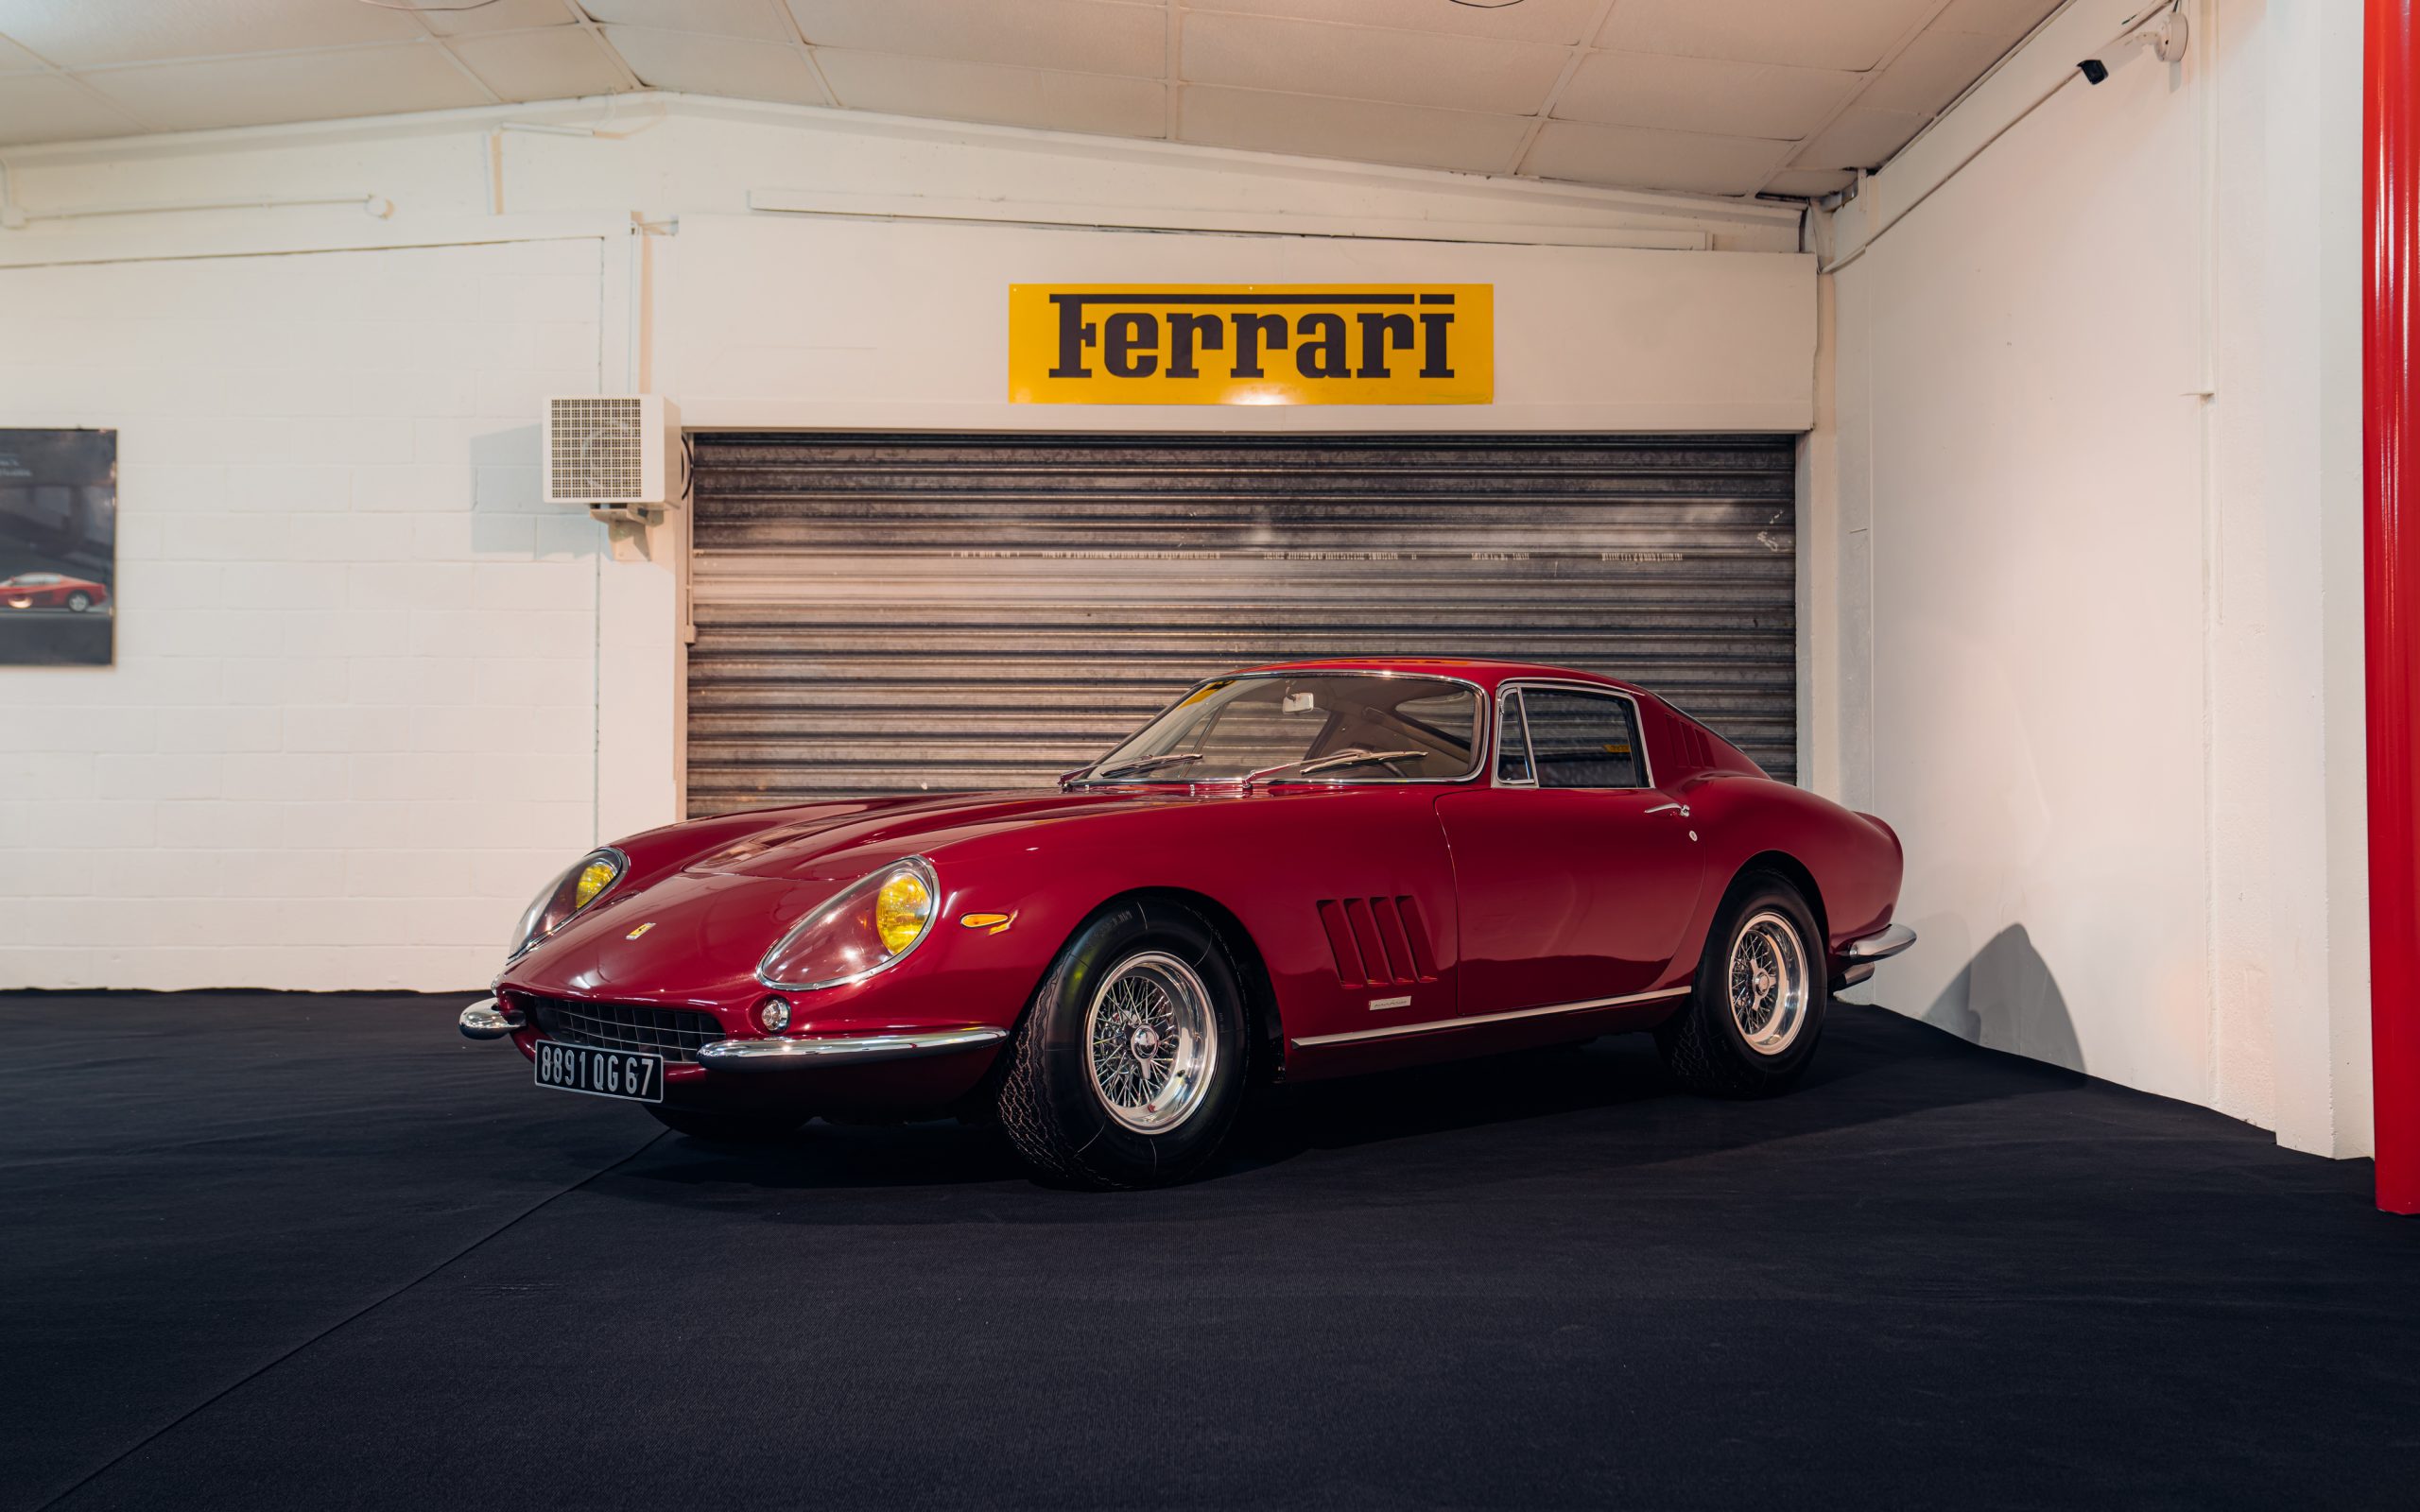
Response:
column 774, row 1014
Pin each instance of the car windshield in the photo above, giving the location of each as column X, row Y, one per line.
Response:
column 1323, row 727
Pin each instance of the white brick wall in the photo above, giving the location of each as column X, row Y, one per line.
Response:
column 350, row 729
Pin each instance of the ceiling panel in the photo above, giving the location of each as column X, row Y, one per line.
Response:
column 2005, row 19
column 1362, row 130
column 558, row 63
column 1713, row 96
column 319, row 86
column 1094, row 36
column 1859, row 139
column 1635, row 157
column 1559, row 22
column 1852, row 34
column 504, row 16
column 1933, row 70
column 90, row 33
column 954, row 91
column 1704, row 94
column 46, row 108
column 716, row 65
column 1362, row 62
column 760, row 19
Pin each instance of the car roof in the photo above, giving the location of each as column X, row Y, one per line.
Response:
column 1486, row 673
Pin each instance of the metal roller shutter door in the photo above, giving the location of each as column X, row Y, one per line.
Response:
column 895, row 613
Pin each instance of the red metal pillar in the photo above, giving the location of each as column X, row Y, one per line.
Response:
column 2390, row 542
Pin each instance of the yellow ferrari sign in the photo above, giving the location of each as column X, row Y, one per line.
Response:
column 1252, row 344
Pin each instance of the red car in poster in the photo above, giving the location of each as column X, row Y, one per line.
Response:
column 1295, row 871
column 52, row 591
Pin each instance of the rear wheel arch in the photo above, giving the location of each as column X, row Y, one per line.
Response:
column 1790, row 869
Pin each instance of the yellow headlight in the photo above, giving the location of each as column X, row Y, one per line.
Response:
column 593, row 878
column 901, row 911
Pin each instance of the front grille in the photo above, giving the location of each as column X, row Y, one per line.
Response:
column 673, row 1033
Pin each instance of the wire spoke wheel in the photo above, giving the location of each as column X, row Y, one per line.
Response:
column 1768, row 980
column 1150, row 1042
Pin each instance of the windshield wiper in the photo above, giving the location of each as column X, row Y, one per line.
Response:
column 1355, row 757
column 1144, row 763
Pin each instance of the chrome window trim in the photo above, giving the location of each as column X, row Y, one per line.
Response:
column 1394, row 1031
column 1483, row 746
column 1639, row 728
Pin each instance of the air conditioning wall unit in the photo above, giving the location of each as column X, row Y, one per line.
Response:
column 618, row 455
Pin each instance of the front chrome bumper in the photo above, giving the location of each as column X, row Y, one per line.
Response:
column 1863, row 952
column 485, row 1019
column 800, row 1055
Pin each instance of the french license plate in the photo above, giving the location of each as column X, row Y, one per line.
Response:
column 600, row 1073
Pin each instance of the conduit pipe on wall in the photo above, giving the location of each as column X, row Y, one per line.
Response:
column 15, row 216
column 493, row 152
column 2391, row 570
column 2132, row 26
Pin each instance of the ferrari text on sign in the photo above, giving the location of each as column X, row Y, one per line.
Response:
column 1252, row 344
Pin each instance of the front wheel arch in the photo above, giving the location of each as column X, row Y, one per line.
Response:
column 1266, row 1027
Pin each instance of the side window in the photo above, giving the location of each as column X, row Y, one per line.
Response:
column 1512, row 742
column 1583, row 739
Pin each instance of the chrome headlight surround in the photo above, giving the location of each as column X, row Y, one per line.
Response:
column 558, row 902
column 836, row 913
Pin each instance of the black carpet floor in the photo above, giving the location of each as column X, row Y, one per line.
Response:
column 294, row 1252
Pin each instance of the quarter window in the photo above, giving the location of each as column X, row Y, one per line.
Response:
column 1583, row 739
column 1511, row 744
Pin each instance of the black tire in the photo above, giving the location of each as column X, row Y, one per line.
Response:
column 79, row 602
column 727, row 1128
column 1049, row 1107
column 1703, row 1045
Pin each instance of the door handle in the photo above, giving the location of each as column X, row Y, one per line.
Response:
column 1681, row 809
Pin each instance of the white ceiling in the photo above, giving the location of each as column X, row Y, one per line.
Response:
column 1713, row 96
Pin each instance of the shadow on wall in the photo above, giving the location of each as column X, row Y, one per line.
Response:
column 509, row 516
column 2006, row 999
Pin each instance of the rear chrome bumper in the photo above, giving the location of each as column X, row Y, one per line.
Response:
column 1863, row 952
column 1880, row 946
column 833, row 1050
column 484, row 1020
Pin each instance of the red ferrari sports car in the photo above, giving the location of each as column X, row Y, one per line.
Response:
column 1294, row 871
column 52, row 591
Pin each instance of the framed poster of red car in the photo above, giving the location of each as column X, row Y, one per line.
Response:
column 58, row 547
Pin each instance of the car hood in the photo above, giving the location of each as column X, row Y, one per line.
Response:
column 694, row 935
column 825, row 845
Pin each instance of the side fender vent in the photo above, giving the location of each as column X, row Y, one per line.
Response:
column 1377, row 941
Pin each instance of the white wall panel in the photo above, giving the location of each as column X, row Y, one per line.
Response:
column 2098, row 643
column 351, row 726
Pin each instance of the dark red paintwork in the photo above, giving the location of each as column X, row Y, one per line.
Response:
column 1467, row 898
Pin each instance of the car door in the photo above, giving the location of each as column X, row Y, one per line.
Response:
column 1574, row 876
